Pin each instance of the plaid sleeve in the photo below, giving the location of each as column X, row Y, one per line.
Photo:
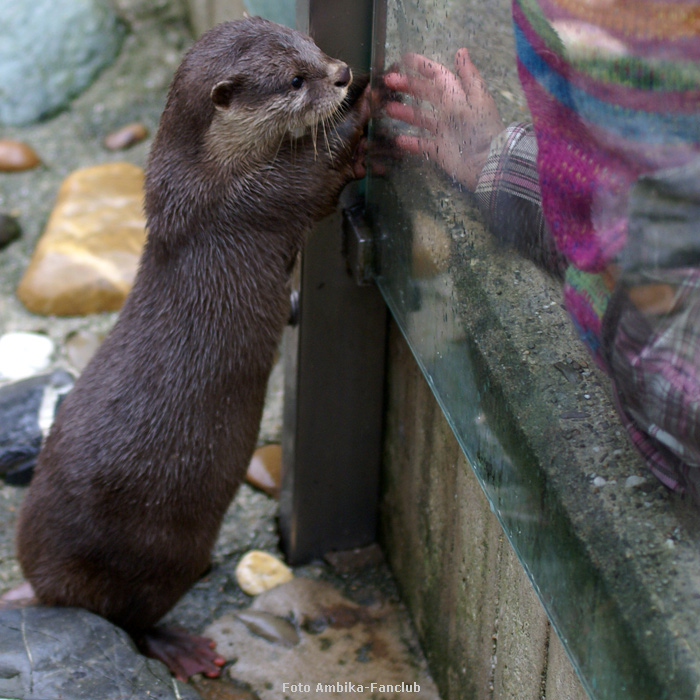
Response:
column 651, row 336
column 508, row 195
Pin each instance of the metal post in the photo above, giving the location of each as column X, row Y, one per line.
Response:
column 334, row 358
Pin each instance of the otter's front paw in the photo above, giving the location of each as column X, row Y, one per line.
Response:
column 358, row 164
column 359, row 119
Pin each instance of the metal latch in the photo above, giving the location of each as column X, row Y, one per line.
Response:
column 359, row 247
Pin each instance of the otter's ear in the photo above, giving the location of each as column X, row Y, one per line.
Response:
column 222, row 93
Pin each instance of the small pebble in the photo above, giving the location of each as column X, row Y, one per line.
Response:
column 258, row 571
column 634, row 481
column 15, row 156
column 126, row 136
column 571, row 375
column 9, row 229
column 24, row 354
column 265, row 468
column 599, row 481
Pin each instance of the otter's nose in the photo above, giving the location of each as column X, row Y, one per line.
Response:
column 343, row 77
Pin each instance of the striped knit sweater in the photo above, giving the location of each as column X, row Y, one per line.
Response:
column 613, row 89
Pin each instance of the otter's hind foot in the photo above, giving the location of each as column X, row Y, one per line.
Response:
column 183, row 653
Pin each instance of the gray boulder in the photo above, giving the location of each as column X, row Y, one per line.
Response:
column 71, row 654
column 50, row 50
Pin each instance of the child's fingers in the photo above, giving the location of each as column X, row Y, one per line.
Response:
column 417, row 146
column 412, row 115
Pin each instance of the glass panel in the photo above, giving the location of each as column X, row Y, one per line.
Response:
column 546, row 279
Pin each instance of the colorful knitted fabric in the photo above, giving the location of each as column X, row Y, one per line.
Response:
column 586, row 296
column 614, row 93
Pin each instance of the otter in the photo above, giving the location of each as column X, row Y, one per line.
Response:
column 258, row 137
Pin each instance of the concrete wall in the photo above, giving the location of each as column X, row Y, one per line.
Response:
column 481, row 625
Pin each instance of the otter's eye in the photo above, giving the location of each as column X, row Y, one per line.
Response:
column 297, row 81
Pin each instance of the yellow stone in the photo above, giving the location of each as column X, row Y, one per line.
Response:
column 259, row 571
column 265, row 469
column 87, row 257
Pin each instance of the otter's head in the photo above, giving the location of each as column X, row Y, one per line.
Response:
column 258, row 83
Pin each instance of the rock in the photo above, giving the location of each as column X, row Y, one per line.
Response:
column 15, row 155
column 50, row 51
column 570, row 374
column 24, row 354
column 81, row 346
column 50, row 653
column 599, row 481
column 632, row 482
column 264, row 470
column 9, row 229
column 86, row 259
column 27, row 410
column 259, row 571
column 274, row 628
column 126, row 136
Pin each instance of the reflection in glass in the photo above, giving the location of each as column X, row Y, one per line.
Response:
column 588, row 261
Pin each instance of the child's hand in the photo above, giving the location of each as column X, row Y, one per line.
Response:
column 460, row 118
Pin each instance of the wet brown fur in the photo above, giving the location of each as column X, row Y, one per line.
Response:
column 150, row 446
